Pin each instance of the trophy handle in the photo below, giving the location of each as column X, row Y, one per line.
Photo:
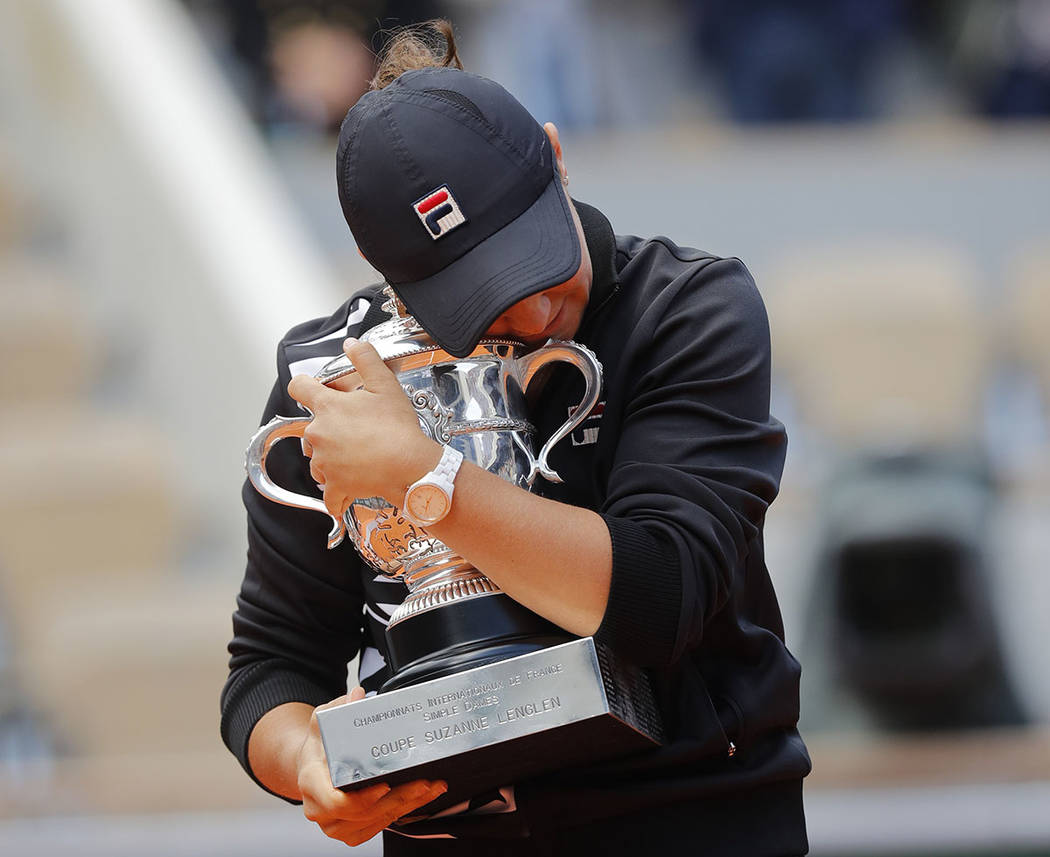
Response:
column 255, row 463
column 584, row 360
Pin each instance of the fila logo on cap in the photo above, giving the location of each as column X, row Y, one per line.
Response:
column 439, row 212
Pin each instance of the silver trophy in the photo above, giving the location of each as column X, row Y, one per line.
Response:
column 482, row 689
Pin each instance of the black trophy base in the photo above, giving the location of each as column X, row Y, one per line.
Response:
column 463, row 635
column 496, row 724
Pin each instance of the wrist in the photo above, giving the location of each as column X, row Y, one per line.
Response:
column 277, row 745
column 420, row 458
column 429, row 500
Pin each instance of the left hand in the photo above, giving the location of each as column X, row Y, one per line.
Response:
column 353, row 817
column 367, row 442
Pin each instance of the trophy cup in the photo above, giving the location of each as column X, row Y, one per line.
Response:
column 483, row 691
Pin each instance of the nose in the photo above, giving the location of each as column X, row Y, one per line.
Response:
column 529, row 315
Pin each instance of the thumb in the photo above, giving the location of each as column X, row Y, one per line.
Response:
column 358, row 693
column 374, row 373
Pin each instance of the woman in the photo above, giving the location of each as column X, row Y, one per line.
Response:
column 653, row 543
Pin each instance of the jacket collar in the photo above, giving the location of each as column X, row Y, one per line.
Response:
column 601, row 246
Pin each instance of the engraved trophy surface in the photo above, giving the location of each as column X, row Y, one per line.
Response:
column 456, row 632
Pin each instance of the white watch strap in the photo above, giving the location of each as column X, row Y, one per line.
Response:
column 448, row 466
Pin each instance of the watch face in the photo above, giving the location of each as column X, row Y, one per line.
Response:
column 426, row 503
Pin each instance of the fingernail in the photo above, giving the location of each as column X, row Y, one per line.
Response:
column 352, row 340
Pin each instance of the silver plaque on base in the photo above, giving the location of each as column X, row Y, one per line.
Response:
column 561, row 706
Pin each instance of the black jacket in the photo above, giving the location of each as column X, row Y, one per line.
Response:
column 681, row 458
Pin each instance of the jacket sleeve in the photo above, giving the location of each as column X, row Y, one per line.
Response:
column 299, row 611
column 697, row 462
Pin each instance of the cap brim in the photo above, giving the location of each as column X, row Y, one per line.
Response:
column 537, row 250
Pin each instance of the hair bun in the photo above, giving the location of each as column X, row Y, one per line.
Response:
column 426, row 45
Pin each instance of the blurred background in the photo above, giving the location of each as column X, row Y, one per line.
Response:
column 168, row 210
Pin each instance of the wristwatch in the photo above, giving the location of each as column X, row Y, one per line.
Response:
column 429, row 499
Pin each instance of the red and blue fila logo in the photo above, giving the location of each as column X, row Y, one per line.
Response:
column 439, row 212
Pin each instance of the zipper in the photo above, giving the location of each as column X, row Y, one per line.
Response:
column 727, row 710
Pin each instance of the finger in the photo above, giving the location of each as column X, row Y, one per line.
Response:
column 360, row 805
column 380, row 818
column 410, row 806
column 373, row 793
column 316, row 473
column 326, row 805
column 335, row 503
column 407, row 797
column 322, row 802
column 351, row 832
column 339, row 700
column 364, row 806
column 357, row 694
column 309, row 392
column 375, row 374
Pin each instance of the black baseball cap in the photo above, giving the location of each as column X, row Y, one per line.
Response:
column 451, row 191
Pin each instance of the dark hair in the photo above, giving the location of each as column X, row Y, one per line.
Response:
column 425, row 45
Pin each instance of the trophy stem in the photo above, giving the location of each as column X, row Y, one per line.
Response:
column 438, row 593
column 464, row 634
column 438, row 578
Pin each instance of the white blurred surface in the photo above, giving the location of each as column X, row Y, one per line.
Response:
column 992, row 819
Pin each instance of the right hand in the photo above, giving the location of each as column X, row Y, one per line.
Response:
column 353, row 817
column 365, row 442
